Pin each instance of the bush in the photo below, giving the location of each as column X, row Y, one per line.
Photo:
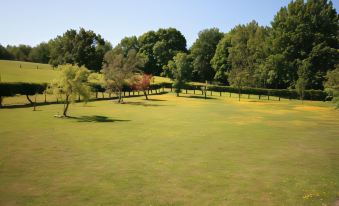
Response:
column 8, row 89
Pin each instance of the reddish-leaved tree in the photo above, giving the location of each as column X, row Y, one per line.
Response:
column 143, row 83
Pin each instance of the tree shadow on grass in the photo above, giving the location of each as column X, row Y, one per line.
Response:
column 97, row 118
column 143, row 104
column 197, row 97
column 155, row 100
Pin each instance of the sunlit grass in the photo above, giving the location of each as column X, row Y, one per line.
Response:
column 171, row 151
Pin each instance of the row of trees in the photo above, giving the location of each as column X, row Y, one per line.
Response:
column 297, row 51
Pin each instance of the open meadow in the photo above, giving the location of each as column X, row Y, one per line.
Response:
column 171, row 151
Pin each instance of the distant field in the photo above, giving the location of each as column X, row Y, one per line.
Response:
column 10, row 71
column 171, row 151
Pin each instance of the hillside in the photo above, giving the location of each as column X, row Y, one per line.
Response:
column 10, row 71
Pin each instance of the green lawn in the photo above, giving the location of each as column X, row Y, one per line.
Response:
column 10, row 71
column 171, row 151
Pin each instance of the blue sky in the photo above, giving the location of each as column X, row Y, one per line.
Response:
column 34, row 21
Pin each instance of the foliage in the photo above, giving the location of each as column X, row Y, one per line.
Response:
column 73, row 81
column 202, row 52
column 84, row 48
column 248, row 50
column 40, row 53
column 143, row 83
column 220, row 62
column 181, row 69
column 332, row 84
column 305, row 31
column 120, row 69
column 5, row 54
column 20, row 53
column 159, row 47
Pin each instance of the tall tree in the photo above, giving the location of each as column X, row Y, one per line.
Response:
column 181, row 69
column 4, row 54
column 20, row 53
column 159, row 47
column 40, row 53
column 202, row 51
column 83, row 48
column 332, row 84
column 128, row 43
column 220, row 62
column 248, row 50
column 120, row 69
column 305, row 31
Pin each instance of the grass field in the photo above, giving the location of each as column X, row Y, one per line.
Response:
column 10, row 71
column 171, row 151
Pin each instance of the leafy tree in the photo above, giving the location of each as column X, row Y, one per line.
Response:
column 332, row 84
column 302, row 81
column 83, row 48
column 120, row 69
column 4, row 54
column 305, row 30
column 40, row 53
column 143, row 83
column 128, row 43
column 171, row 41
column 202, row 51
column 71, row 83
column 220, row 62
column 146, row 43
column 181, row 69
column 20, row 53
column 248, row 50
column 159, row 47
column 238, row 77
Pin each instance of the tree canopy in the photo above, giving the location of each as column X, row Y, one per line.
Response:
column 83, row 48
column 202, row 52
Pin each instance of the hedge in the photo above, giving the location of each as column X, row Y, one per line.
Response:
column 11, row 89
column 8, row 89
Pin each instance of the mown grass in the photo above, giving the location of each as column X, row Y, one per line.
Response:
column 171, row 151
column 10, row 71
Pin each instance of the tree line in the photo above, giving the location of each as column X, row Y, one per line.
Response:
column 296, row 51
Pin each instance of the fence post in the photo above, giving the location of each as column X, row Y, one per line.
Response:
column 230, row 94
column 248, row 96
column 186, row 91
column 220, row 93
column 45, row 96
column 259, row 96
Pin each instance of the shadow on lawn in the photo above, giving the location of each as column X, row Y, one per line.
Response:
column 155, row 100
column 97, row 118
column 143, row 104
column 197, row 97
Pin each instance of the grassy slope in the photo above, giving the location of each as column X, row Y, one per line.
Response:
column 173, row 151
column 10, row 71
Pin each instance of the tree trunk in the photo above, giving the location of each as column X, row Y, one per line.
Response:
column 34, row 105
column 45, row 97
column 1, row 101
column 239, row 92
column 66, row 106
column 145, row 93
column 177, row 94
column 30, row 101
